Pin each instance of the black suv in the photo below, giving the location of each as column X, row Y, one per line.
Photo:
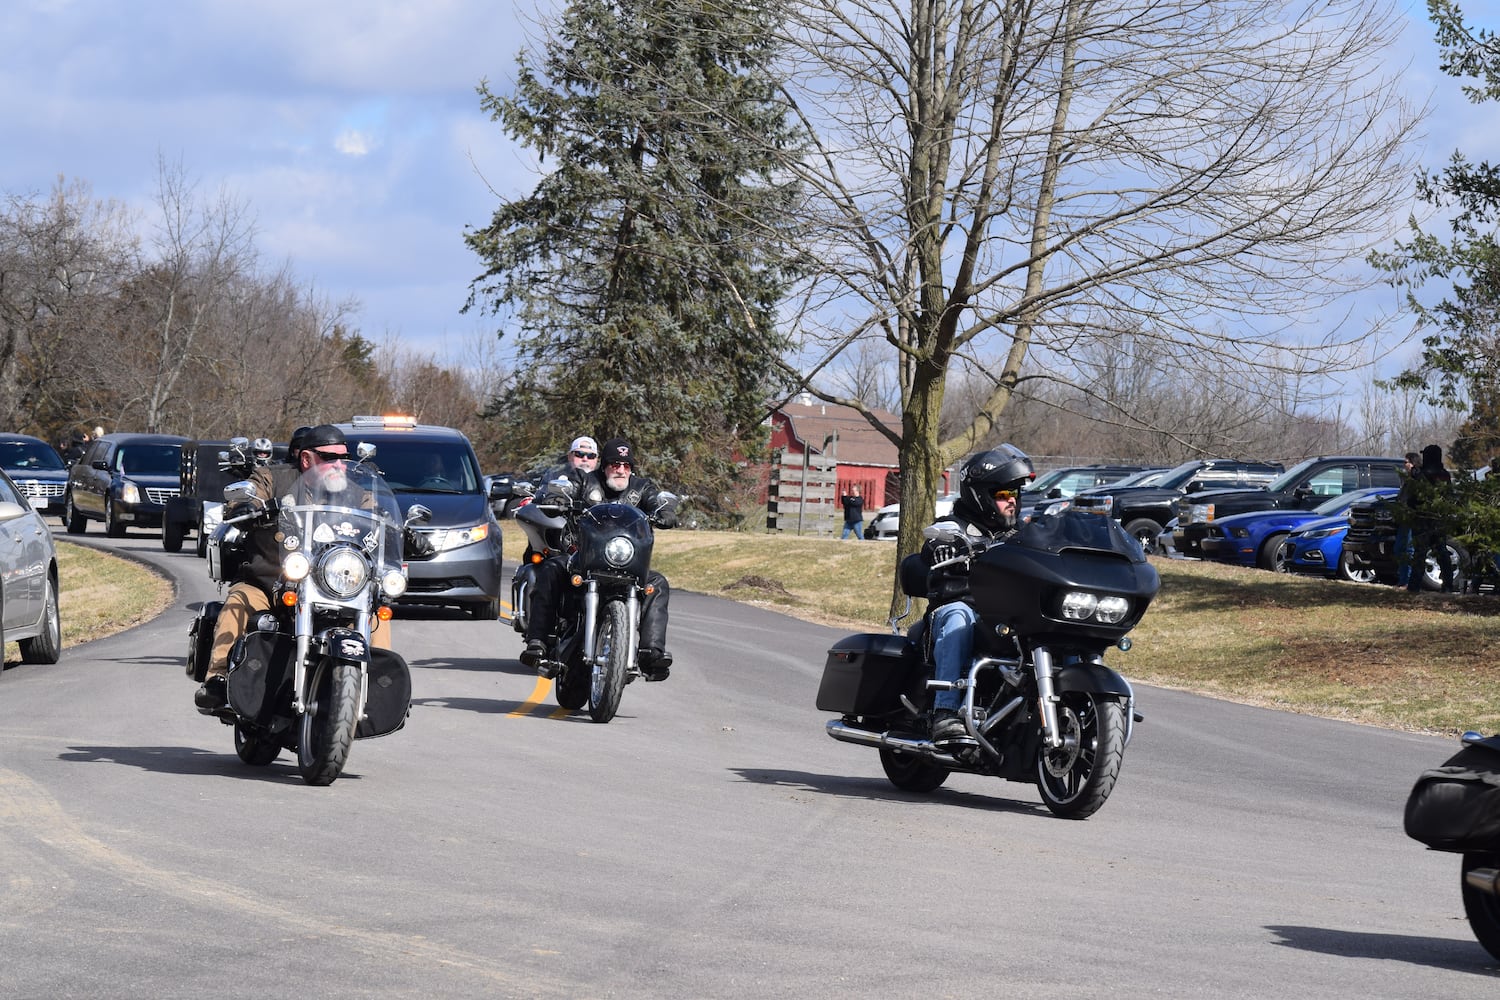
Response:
column 124, row 480
column 1144, row 511
column 1302, row 487
column 1370, row 544
column 436, row 467
column 206, row 468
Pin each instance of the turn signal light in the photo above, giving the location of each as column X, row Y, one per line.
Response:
column 384, row 613
column 289, row 598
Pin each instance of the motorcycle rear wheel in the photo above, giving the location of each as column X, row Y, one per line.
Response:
column 1076, row 778
column 1482, row 908
column 611, row 663
column 254, row 750
column 911, row 772
column 326, row 730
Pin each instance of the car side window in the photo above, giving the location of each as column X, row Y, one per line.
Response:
column 1384, row 475
column 1334, row 481
column 8, row 493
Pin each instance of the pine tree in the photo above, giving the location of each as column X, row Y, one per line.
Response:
column 645, row 268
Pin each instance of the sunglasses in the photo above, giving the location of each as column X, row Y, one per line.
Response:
column 617, row 465
column 330, row 456
column 585, row 454
column 1004, row 494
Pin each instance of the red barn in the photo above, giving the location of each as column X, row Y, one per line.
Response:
column 865, row 456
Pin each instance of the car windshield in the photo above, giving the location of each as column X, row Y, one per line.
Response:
column 149, row 459
column 1286, row 480
column 427, row 466
column 1149, row 477
column 1046, row 480
column 29, row 456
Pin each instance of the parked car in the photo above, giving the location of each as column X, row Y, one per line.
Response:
column 37, row 470
column 1144, row 511
column 1068, row 481
column 1301, row 487
column 437, row 467
column 28, row 578
column 1318, row 548
column 1370, row 545
column 886, row 523
column 124, row 480
column 1256, row 538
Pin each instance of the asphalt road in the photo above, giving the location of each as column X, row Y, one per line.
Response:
column 710, row 842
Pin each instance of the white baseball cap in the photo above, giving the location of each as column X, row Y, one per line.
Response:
column 584, row 444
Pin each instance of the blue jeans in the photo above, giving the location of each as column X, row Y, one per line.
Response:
column 952, row 649
column 857, row 527
column 1404, row 554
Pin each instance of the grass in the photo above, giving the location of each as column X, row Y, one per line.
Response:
column 1364, row 653
column 100, row 594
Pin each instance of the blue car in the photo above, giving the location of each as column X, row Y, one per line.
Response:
column 1255, row 539
column 1318, row 548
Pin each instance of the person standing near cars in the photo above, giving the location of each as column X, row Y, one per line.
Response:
column 1422, row 494
column 854, row 513
column 1410, row 468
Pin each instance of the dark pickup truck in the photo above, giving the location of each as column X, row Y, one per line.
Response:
column 1370, row 544
column 1302, row 487
column 1144, row 511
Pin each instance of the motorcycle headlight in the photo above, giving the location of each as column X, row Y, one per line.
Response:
column 619, row 551
column 1112, row 610
column 393, row 582
column 295, row 566
column 1078, row 605
column 343, row 572
column 130, row 492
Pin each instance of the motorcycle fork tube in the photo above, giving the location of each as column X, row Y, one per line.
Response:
column 299, row 666
column 590, row 617
column 633, row 616
column 1046, row 696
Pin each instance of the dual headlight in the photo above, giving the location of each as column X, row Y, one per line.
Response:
column 342, row 572
column 1082, row 606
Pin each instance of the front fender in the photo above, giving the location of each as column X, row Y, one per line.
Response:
column 346, row 646
column 1093, row 678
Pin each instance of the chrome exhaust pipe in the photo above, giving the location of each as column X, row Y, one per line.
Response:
column 845, row 733
column 1483, row 879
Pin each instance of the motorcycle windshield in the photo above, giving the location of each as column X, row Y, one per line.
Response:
column 1075, row 530
column 343, row 503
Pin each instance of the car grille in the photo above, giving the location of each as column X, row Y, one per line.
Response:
column 1366, row 523
column 34, row 488
column 161, row 494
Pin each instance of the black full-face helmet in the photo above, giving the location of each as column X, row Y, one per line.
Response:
column 1005, row 467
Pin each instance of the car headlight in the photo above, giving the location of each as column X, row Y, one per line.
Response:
column 1080, row 605
column 456, row 538
column 130, row 492
column 343, row 572
column 1240, row 532
column 619, row 551
column 393, row 582
column 1320, row 532
column 295, row 566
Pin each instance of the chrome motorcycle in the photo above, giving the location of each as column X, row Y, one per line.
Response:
column 305, row 677
column 1039, row 704
column 607, row 547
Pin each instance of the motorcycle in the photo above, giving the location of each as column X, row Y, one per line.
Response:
column 305, row 677
column 608, row 551
column 1456, row 808
column 1039, row 703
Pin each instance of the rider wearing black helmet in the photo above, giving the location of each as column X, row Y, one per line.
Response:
column 989, row 489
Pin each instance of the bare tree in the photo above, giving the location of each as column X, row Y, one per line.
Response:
column 1010, row 181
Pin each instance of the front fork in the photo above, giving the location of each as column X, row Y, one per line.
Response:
column 305, row 640
column 591, row 618
column 1046, row 695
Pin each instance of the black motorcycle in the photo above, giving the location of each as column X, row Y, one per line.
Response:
column 1039, row 704
column 608, row 551
column 1456, row 808
column 306, row 678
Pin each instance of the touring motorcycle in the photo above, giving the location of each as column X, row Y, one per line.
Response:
column 608, row 551
column 305, row 677
column 1039, row 703
column 1456, row 808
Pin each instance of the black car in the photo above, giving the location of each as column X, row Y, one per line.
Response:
column 37, row 471
column 1301, row 487
column 437, row 468
column 124, row 480
column 205, row 469
column 1145, row 511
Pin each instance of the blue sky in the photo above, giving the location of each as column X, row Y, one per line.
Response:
column 350, row 129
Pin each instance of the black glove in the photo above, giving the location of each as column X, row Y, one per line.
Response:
column 665, row 519
column 416, row 543
column 936, row 550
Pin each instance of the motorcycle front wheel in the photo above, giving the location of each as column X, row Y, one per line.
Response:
column 327, row 727
column 1481, row 907
column 611, row 662
column 1078, row 776
column 254, row 750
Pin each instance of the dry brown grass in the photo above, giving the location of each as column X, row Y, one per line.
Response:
column 1364, row 653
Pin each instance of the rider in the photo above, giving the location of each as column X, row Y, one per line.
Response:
column 989, row 487
column 613, row 482
column 261, row 451
column 320, row 451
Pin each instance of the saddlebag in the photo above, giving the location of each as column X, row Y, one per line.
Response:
column 866, row 674
column 1456, row 807
column 260, row 676
column 389, row 700
column 201, row 639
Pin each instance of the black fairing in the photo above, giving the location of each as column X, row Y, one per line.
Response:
column 604, row 521
column 1021, row 582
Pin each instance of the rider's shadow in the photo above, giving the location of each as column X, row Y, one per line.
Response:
column 188, row 761
column 1439, row 953
column 500, row 706
column 475, row 663
column 877, row 789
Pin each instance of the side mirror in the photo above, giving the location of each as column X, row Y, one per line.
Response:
column 241, row 443
column 240, row 492
column 500, row 488
column 100, row 464
column 418, row 514
column 365, row 451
